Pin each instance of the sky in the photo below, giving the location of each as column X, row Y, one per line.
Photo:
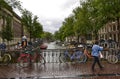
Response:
column 51, row 13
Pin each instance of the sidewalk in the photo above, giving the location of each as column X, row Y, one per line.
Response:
column 61, row 71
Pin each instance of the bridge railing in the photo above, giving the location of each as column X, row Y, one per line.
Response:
column 52, row 55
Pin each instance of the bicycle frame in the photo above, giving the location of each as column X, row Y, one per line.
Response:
column 29, row 58
column 113, row 57
column 81, row 57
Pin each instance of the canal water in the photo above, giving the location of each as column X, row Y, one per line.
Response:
column 52, row 53
column 53, row 45
column 52, row 59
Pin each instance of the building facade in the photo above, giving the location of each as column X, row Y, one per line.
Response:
column 16, row 24
column 110, row 30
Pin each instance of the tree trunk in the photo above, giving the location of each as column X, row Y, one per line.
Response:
column 118, row 24
column 78, row 38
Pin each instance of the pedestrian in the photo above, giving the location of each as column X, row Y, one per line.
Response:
column 95, row 54
column 24, row 41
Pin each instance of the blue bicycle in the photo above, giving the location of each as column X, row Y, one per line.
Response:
column 73, row 55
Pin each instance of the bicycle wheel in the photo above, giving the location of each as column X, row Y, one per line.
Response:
column 23, row 61
column 112, row 59
column 62, row 58
column 82, row 59
column 41, row 59
column 6, row 59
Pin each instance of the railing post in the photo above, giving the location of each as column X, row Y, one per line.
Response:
column 52, row 55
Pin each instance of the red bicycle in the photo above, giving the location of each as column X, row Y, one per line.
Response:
column 28, row 57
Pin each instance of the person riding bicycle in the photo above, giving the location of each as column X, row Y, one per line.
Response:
column 24, row 41
column 77, row 53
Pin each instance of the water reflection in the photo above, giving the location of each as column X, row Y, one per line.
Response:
column 41, row 69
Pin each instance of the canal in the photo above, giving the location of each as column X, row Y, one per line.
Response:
column 53, row 45
column 52, row 53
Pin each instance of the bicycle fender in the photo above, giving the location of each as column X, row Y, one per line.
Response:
column 8, row 56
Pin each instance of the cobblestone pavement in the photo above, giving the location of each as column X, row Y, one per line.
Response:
column 61, row 71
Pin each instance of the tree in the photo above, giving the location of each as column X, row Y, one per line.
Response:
column 56, row 35
column 47, row 36
column 62, row 33
column 31, row 23
column 27, row 21
column 14, row 4
column 110, row 10
column 91, row 16
column 68, row 23
column 65, row 30
column 37, row 30
column 7, row 33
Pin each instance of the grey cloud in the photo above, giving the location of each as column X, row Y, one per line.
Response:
column 53, row 26
column 69, row 3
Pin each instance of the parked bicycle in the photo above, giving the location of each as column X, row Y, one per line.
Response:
column 27, row 57
column 114, row 56
column 5, row 57
column 113, row 52
column 75, row 55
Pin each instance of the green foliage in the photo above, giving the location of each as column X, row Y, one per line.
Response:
column 32, row 25
column 7, row 30
column 56, row 35
column 10, row 4
column 82, row 24
column 27, row 19
column 5, row 5
column 90, row 17
column 66, row 29
column 68, row 26
column 47, row 36
column 37, row 30
column 14, row 4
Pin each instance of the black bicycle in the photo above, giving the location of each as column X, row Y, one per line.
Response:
column 114, row 56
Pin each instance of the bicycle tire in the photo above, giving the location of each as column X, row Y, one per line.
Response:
column 6, row 59
column 83, row 58
column 112, row 59
column 41, row 59
column 24, row 61
column 62, row 58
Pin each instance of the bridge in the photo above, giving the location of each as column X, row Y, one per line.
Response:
column 53, row 69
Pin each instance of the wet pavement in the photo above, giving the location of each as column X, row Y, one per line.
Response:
column 60, row 71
